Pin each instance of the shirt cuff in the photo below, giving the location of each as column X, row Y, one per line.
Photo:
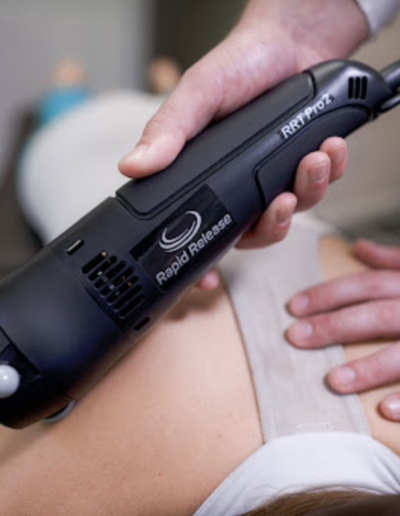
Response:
column 378, row 13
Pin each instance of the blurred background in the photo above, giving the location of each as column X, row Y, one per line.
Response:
column 116, row 41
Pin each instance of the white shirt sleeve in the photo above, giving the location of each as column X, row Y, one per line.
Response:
column 378, row 13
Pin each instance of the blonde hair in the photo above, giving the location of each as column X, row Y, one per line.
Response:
column 305, row 503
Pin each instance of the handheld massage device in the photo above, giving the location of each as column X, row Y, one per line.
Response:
column 65, row 316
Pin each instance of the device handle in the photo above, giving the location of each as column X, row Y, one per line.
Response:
column 217, row 145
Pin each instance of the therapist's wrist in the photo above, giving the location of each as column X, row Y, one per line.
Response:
column 316, row 30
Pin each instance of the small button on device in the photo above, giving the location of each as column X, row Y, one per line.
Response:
column 9, row 381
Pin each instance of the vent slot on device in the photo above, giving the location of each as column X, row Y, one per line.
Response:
column 94, row 263
column 358, row 88
column 115, row 283
column 142, row 324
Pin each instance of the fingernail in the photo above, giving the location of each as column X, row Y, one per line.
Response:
column 137, row 153
column 299, row 304
column 344, row 376
column 300, row 332
column 337, row 154
column 284, row 215
column 392, row 405
column 210, row 280
column 318, row 174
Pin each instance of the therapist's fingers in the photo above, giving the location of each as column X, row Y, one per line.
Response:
column 317, row 170
column 336, row 148
column 209, row 281
column 375, row 370
column 363, row 322
column 314, row 174
column 334, row 294
column 312, row 179
column 273, row 225
column 390, row 407
column 378, row 256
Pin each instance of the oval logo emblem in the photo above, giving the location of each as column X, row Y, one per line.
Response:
column 170, row 245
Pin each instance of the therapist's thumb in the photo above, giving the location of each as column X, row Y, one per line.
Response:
column 229, row 76
column 191, row 106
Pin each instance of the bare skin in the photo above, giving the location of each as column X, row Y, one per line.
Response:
column 160, row 432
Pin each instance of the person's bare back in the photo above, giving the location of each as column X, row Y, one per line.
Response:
column 165, row 427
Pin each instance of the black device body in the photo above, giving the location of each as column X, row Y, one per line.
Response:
column 69, row 314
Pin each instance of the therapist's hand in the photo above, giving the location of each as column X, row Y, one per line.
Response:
column 364, row 306
column 273, row 40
